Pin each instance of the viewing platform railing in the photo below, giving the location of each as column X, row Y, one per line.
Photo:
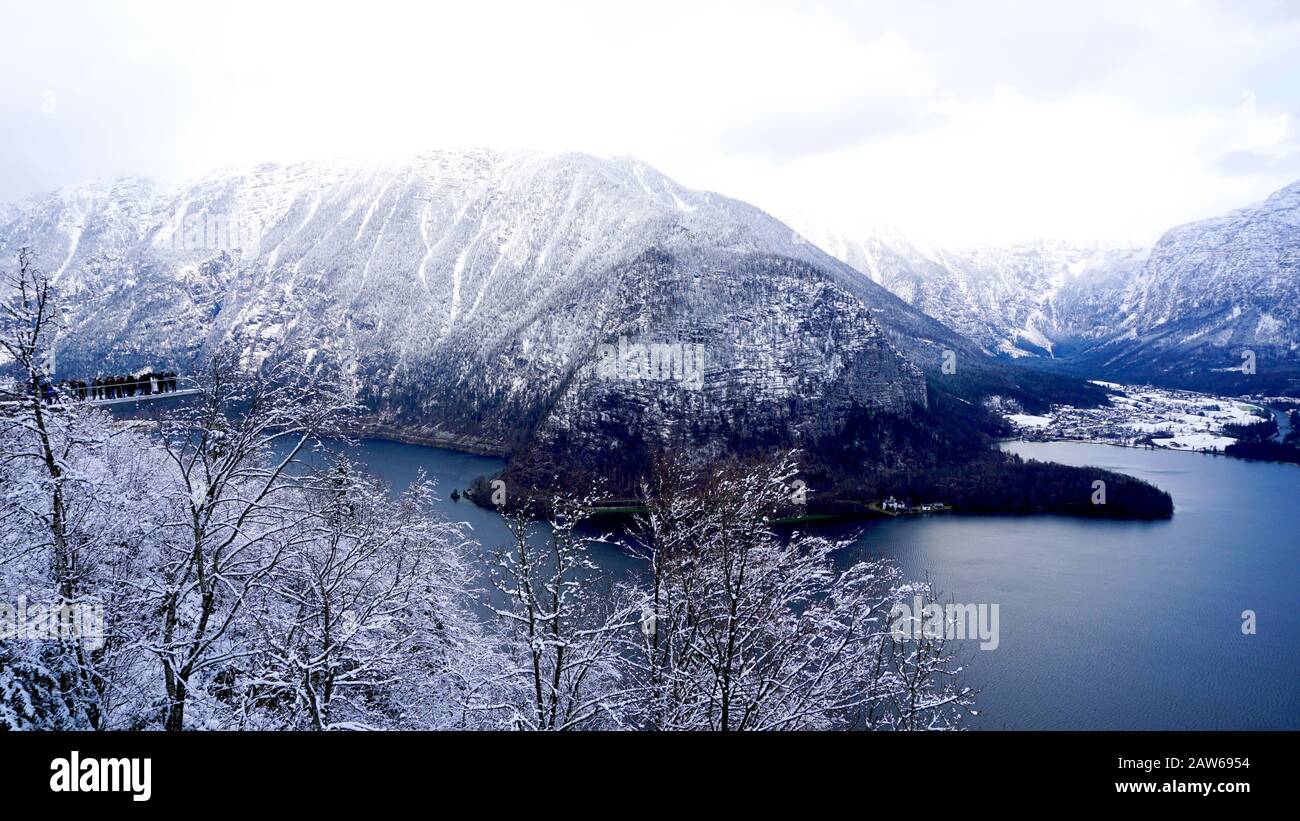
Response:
column 120, row 393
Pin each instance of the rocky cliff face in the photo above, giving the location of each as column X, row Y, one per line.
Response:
column 472, row 299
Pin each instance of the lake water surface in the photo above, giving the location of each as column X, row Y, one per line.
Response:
column 1124, row 625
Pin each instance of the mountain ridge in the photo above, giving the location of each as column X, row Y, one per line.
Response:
column 465, row 296
column 1184, row 313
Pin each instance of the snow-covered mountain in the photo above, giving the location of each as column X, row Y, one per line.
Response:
column 1183, row 313
column 1213, row 292
column 472, row 294
column 1018, row 301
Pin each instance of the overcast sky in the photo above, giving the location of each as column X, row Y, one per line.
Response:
column 957, row 121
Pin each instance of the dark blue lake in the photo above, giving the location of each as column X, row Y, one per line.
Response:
column 1101, row 624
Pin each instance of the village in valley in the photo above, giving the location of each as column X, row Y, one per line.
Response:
column 1146, row 416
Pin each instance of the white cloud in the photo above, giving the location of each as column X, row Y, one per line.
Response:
column 1007, row 167
column 960, row 121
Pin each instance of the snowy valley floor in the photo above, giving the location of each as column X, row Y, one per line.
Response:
column 1145, row 416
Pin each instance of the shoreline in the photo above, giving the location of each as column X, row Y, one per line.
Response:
column 471, row 446
column 864, row 512
column 1112, row 443
column 1214, row 453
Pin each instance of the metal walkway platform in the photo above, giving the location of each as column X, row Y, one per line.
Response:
column 143, row 397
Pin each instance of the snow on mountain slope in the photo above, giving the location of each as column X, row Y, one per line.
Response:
column 1188, row 313
column 1018, row 301
column 1212, row 291
column 468, row 293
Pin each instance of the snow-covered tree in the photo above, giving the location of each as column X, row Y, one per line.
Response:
column 918, row 674
column 236, row 458
column 564, row 630
column 78, row 504
column 28, row 327
column 363, row 622
column 750, row 629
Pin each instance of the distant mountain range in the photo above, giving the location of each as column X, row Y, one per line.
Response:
column 1182, row 314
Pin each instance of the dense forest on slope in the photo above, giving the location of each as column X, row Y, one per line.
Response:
column 1266, row 451
column 942, row 452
